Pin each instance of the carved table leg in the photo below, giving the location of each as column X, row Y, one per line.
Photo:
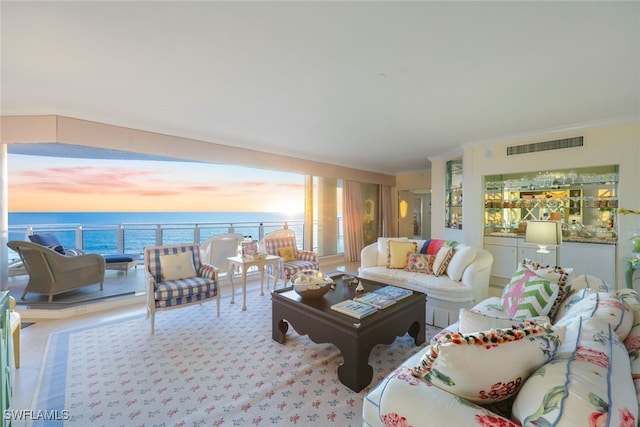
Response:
column 279, row 329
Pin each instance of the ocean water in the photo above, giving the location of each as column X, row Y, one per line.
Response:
column 139, row 229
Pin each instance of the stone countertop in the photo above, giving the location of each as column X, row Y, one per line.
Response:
column 576, row 239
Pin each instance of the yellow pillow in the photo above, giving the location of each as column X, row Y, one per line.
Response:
column 398, row 253
column 286, row 254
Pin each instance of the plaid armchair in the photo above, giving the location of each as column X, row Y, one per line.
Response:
column 176, row 277
column 292, row 260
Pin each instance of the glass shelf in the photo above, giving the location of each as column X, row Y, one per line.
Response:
column 453, row 195
column 586, row 196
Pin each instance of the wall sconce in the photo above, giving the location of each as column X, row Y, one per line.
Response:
column 368, row 210
column 404, row 206
column 543, row 233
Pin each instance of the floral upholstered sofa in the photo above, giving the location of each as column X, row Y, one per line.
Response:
column 453, row 275
column 488, row 369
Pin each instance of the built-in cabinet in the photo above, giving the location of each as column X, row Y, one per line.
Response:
column 453, row 195
column 507, row 253
column 585, row 258
column 590, row 258
column 586, row 199
column 5, row 358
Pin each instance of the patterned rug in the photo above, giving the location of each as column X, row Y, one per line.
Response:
column 201, row 370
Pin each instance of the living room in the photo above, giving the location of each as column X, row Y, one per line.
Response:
column 503, row 91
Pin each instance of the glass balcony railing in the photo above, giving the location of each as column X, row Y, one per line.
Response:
column 132, row 238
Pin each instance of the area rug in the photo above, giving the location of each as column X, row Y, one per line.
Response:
column 201, row 370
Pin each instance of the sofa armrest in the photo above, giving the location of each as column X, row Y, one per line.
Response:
column 208, row 271
column 419, row 402
column 307, row 256
column 369, row 255
column 477, row 274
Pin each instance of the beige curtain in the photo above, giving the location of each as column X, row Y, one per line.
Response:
column 352, row 218
column 387, row 222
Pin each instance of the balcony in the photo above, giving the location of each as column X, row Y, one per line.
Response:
column 125, row 288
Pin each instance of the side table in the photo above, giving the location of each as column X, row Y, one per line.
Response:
column 239, row 264
column 629, row 269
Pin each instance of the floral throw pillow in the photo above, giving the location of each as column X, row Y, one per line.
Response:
column 490, row 366
column 528, row 295
column 473, row 321
column 420, row 263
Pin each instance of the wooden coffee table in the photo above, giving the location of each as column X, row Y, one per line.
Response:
column 355, row 338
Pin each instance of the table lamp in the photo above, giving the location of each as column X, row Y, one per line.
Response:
column 543, row 234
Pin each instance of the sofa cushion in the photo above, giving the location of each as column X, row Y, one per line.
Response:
column 528, row 295
column 383, row 247
column 273, row 244
column 554, row 274
column 585, row 303
column 463, row 255
column 442, row 260
column 588, row 383
column 441, row 288
column 177, row 266
column 631, row 299
column 632, row 344
column 398, row 253
column 489, row 366
column 49, row 240
column 432, row 246
column 474, row 321
column 286, row 253
column 586, row 281
column 420, row 263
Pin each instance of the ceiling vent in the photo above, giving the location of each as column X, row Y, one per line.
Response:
column 557, row 144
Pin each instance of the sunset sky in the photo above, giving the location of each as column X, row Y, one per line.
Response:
column 54, row 184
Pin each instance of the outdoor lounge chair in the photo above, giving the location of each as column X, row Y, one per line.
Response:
column 52, row 273
column 120, row 262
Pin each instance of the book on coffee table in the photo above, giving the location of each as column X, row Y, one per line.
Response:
column 354, row 308
column 394, row 292
column 375, row 299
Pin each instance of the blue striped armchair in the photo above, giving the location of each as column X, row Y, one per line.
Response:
column 176, row 277
column 283, row 243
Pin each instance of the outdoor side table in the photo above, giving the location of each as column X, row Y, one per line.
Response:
column 239, row 264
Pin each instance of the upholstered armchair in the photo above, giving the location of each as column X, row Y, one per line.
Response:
column 176, row 277
column 216, row 249
column 52, row 273
column 283, row 244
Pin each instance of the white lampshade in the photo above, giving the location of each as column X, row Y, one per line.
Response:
column 543, row 234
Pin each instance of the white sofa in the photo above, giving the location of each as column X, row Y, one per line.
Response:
column 588, row 379
column 445, row 296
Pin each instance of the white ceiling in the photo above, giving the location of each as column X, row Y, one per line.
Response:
column 379, row 86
